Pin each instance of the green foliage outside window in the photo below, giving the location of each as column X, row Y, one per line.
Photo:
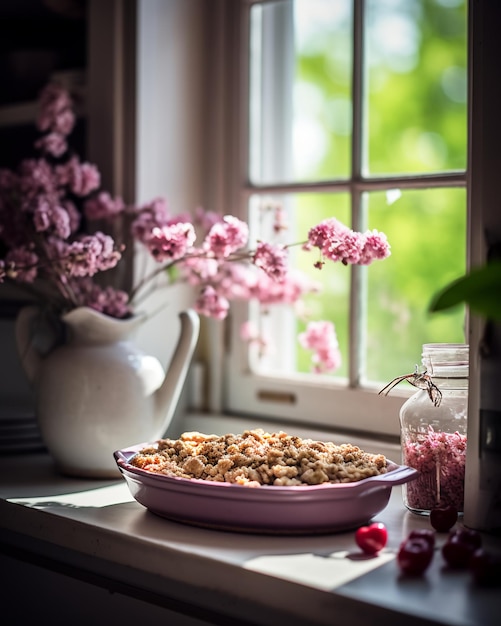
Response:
column 416, row 123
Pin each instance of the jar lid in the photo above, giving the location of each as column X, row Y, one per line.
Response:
column 438, row 355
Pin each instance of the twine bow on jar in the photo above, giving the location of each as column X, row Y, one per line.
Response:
column 419, row 379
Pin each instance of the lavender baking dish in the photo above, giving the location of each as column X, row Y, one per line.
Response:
column 324, row 508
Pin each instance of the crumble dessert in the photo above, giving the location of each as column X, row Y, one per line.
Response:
column 257, row 458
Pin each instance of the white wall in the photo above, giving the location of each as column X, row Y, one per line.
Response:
column 170, row 131
column 170, row 101
column 170, row 134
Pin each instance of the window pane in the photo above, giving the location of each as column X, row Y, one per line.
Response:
column 280, row 324
column 300, row 91
column 427, row 231
column 416, row 86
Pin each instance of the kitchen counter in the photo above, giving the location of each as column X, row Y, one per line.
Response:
column 108, row 548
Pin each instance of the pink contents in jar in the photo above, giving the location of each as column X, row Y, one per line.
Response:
column 440, row 458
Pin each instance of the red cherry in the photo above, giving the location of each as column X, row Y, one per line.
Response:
column 371, row 539
column 443, row 518
column 414, row 555
column 424, row 533
column 460, row 545
column 485, row 568
column 468, row 536
column 457, row 553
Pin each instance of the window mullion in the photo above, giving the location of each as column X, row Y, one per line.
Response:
column 377, row 183
column 357, row 90
column 358, row 294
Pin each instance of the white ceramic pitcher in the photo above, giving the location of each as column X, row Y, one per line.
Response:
column 96, row 392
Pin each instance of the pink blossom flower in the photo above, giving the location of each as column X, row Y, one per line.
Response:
column 211, row 304
column 56, row 250
column 170, row 242
column 73, row 215
column 272, row 260
column 206, row 219
column 63, row 174
column 226, row 237
column 53, row 143
column 22, row 264
column 337, row 242
column 158, row 210
column 233, row 281
column 320, row 337
column 83, row 177
column 91, row 254
column 64, row 122
column 198, row 269
column 103, row 206
column 280, row 222
column 149, row 216
column 80, row 178
column 375, row 247
column 108, row 300
column 60, row 222
column 56, row 110
column 249, row 333
column 324, row 234
column 41, row 217
column 347, row 249
column 113, row 302
column 54, row 218
column 294, row 286
column 36, row 178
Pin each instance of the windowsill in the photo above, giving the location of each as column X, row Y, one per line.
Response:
column 98, row 528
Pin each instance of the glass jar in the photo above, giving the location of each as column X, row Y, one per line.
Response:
column 433, row 429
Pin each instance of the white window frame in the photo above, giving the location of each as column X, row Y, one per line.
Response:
column 299, row 399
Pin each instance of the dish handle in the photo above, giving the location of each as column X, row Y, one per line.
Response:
column 123, row 456
column 399, row 476
column 119, row 455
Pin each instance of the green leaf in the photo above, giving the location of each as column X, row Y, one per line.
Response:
column 172, row 273
column 480, row 289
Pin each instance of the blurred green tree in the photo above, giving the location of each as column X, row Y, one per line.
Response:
column 415, row 123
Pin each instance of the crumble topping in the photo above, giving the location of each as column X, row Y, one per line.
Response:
column 257, row 458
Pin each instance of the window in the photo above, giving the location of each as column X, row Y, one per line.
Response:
column 355, row 109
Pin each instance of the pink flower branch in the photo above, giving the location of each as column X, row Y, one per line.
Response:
column 47, row 205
